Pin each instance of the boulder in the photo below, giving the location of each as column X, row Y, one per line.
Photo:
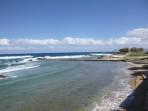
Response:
column 2, row 76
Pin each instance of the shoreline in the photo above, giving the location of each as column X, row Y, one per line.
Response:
column 134, row 81
column 139, row 85
column 138, row 99
column 137, row 82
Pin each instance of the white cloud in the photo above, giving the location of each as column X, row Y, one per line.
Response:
column 65, row 41
column 38, row 41
column 144, row 40
column 82, row 41
column 135, row 37
column 127, row 40
column 11, row 48
column 4, row 41
column 142, row 33
column 139, row 32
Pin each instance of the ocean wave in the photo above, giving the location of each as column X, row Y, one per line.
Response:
column 66, row 57
column 100, row 54
column 5, row 65
column 28, row 60
column 15, row 57
column 17, row 68
column 112, row 99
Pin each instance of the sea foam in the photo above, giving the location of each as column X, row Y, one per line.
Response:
column 66, row 57
column 15, row 57
column 114, row 97
column 100, row 54
column 28, row 60
column 17, row 68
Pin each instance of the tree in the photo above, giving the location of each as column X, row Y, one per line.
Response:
column 141, row 50
column 136, row 50
column 132, row 50
column 124, row 50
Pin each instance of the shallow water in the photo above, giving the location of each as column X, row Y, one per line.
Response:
column 58, row 85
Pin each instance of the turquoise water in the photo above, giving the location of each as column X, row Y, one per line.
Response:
column 58, row 85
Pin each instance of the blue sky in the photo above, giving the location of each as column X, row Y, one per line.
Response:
column 72, row 25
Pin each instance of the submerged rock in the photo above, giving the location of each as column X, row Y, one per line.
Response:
column 42, row 58
column 2, row 76
column 30, row 60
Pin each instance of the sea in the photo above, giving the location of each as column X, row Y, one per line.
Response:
column 62, row 82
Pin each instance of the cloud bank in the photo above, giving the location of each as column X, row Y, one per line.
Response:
column 4, row 42
column 135, row 37
column 140, row 32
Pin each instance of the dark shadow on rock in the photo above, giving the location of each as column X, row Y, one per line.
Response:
column 140, row 73
column 139, row 68
column 138, row 99
column 144, row 61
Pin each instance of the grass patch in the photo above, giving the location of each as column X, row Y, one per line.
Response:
column 139, row 54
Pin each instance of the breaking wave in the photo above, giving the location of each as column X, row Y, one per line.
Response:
column 15, row 57
column 66, row 57
column 114, row 97
column 100, row 54
column 17, row 68
column 28, row 60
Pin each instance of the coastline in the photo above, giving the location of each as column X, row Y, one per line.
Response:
column 118, row 91
column 90, row 87
column 138, row 99
column 134, row 81
column 139, row 86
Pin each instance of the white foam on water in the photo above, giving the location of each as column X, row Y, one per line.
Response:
column 100, row 54
column 28, row 60
column 17, row 68
column 66, row 57
column 15, row 57
column 114, row 97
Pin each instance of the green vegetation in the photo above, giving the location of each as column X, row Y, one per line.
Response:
column 124, row 50
column 133, row 50
column 136, row 56
column 136, row 50
column 139, row 54
column 133, row 53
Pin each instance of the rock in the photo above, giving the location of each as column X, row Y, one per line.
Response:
column 30, row 59
column 39, row 58
column 100, row 57
column 43, row 58
column 2, row 76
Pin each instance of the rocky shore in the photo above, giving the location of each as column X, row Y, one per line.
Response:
column 138, row 99
column 139, row 84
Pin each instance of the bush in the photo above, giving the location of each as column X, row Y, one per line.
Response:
column 124, row 50
column 136, row 50
column 132, row 50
